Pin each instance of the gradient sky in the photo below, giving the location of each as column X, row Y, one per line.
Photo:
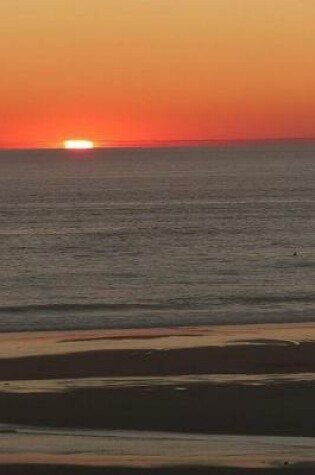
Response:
column 133, row 70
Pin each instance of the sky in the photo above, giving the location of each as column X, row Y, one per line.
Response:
column 118, row 71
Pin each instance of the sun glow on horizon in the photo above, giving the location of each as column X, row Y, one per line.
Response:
column 126, row 73
column 78, row 144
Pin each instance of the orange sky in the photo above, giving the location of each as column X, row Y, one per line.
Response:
column 133, row 70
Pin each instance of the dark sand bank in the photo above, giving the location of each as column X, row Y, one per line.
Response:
column 247, row 359
column 77, row 470
column 280, row 409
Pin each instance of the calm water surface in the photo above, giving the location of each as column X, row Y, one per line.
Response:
column 124, row 238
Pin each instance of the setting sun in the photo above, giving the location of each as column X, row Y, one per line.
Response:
column 78, row 144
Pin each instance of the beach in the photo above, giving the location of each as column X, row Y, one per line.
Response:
column 157, row 264
column 226, row 399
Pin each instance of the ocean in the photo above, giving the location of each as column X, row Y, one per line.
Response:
column 122, row 238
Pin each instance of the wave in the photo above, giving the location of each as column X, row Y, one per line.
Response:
column 192, row 303
column 271, row 299
column 78, row 307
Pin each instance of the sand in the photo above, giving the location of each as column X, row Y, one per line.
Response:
column 248, row 380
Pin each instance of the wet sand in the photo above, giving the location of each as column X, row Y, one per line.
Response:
column 270, row 407
column 237, row 359
column 279, row 409
column 14, row 345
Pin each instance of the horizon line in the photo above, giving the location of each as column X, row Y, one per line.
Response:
column 163, row 143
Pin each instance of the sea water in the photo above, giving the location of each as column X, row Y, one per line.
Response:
column 157, row 237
